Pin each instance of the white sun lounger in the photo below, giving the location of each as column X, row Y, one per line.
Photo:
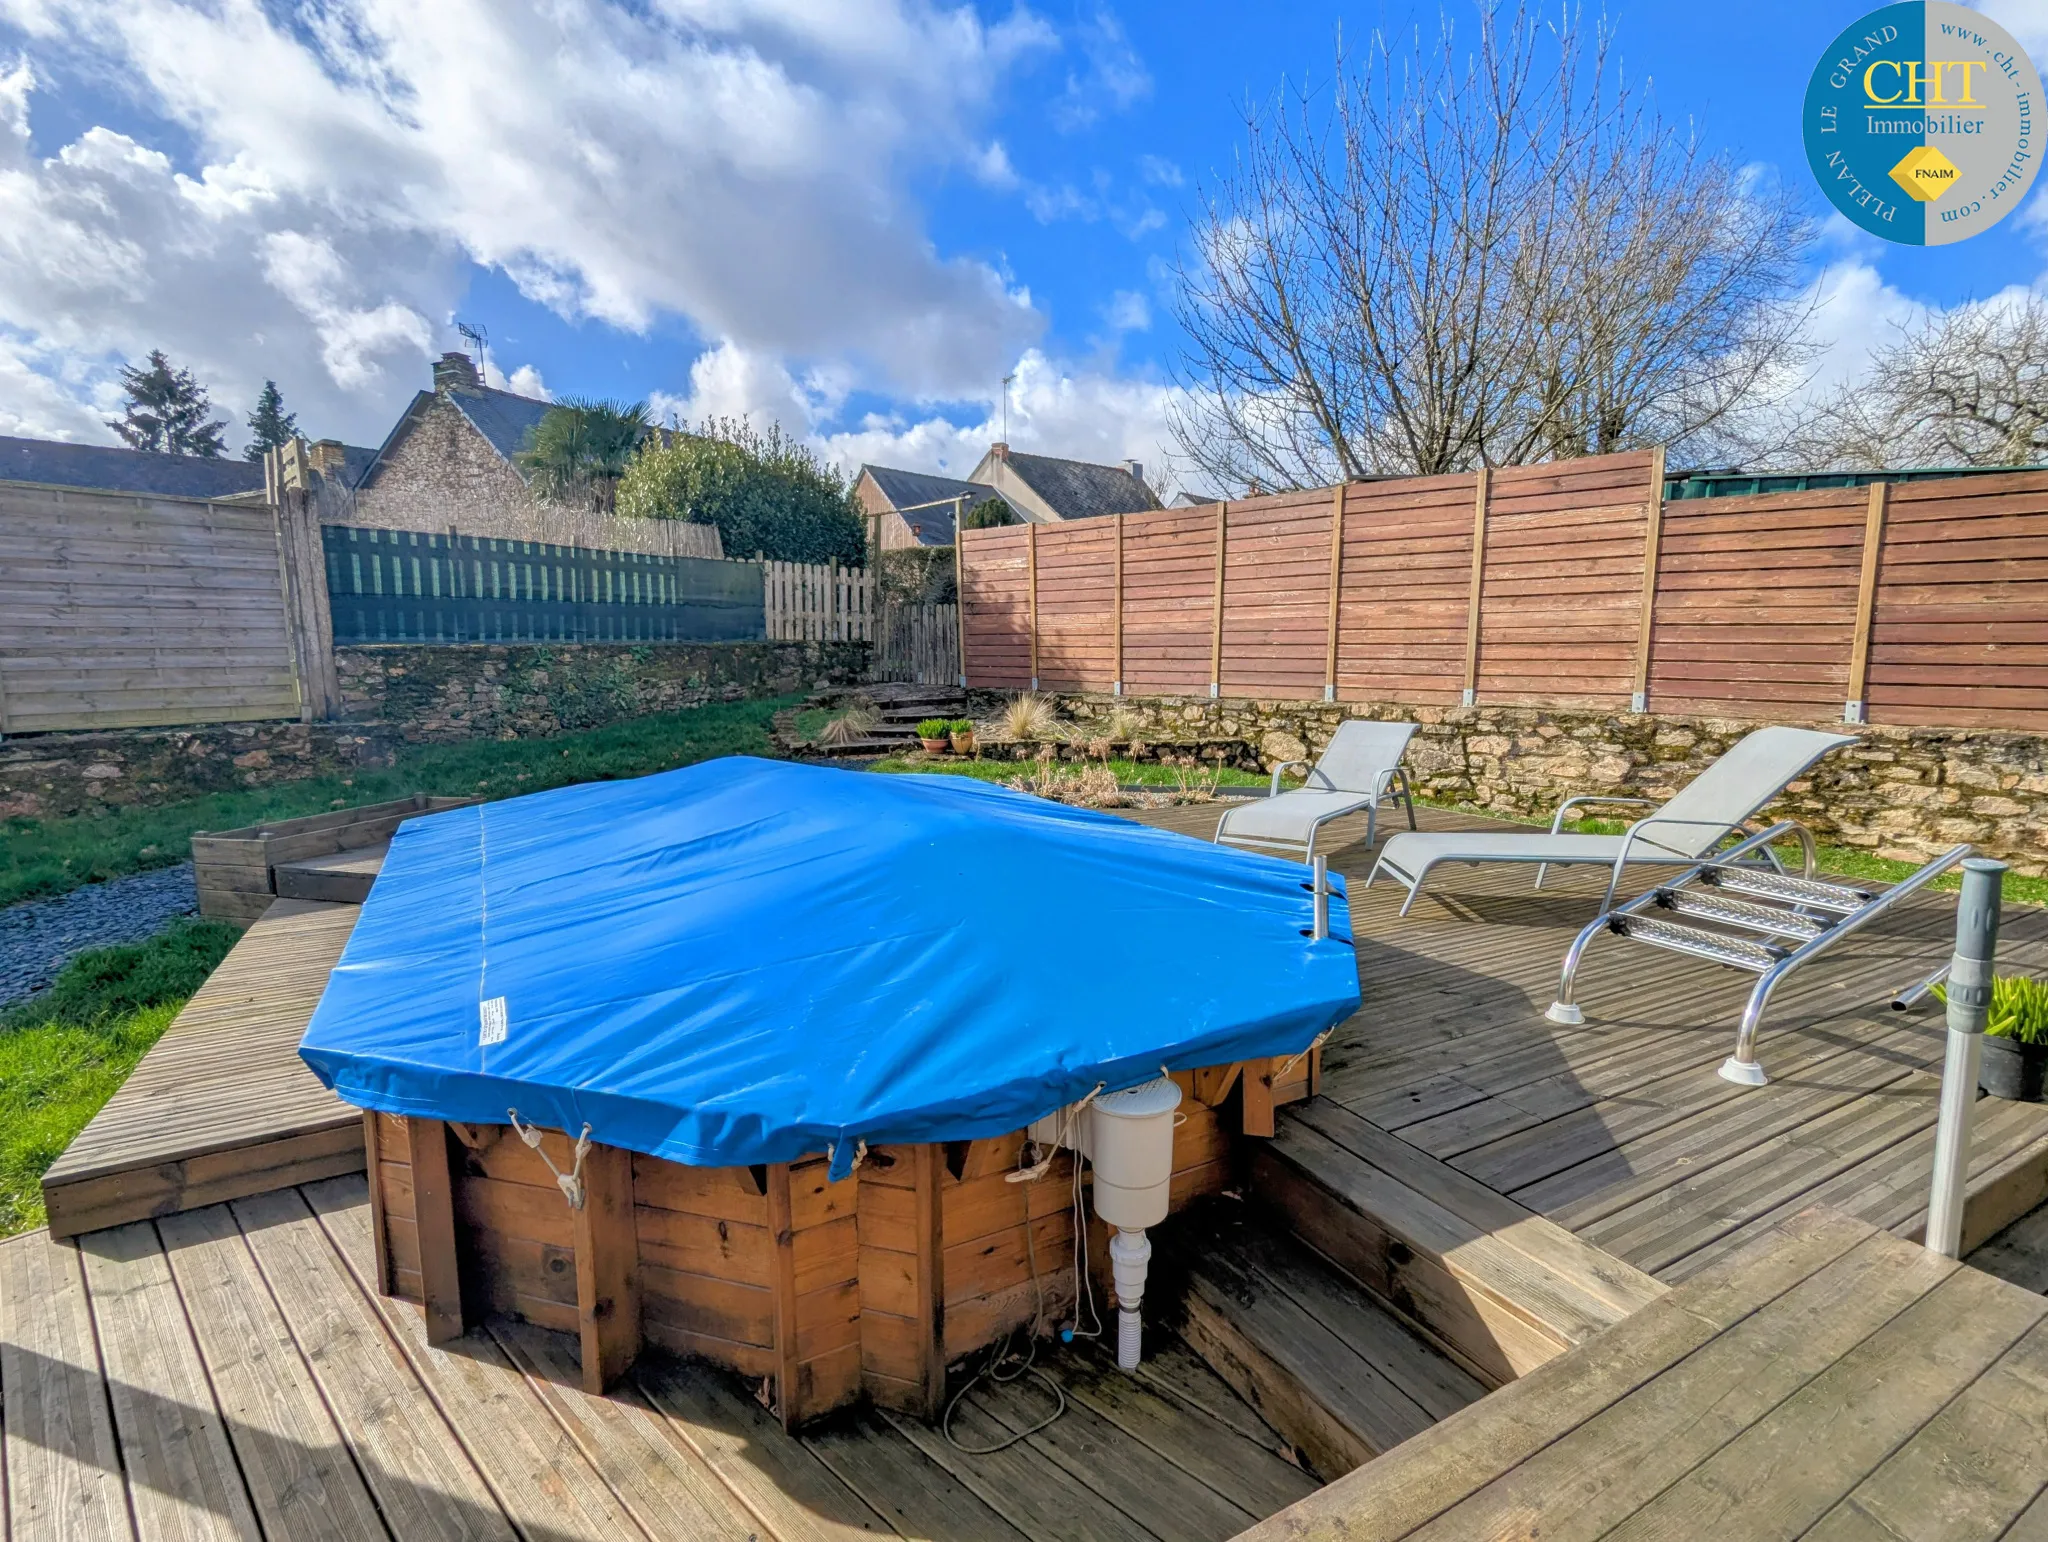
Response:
column 1359, row 771
column 1716, row 804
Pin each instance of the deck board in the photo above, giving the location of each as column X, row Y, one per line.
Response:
column 1619, row 1129
column 221, row 1106
column 227, row 1372
column 1830, row 1380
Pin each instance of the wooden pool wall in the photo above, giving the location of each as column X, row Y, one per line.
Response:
column 826, row 1292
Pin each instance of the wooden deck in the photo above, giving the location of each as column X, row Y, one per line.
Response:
column 1620, row 1130
column 222, row 1106
column 228, row 1372
column 1826, row 1381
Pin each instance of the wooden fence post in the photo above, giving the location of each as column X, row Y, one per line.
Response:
column 1484, row 483
column 1857, row 708
column 1336, row 582
column 1117, row 610
column 1216, row 614
column 960, row 586
column 782, row 1277
column 607, row 1268
column 1031, row 564
column 1653, row 542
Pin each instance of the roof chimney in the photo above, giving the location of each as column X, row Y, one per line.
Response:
column 454, row 371
column 1136, row 468
column 325, row 456
column 999, row 450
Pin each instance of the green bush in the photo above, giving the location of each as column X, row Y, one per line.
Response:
column 990, row 514
column 961, row 725
column 934, row 728
column 2019, row 1008
column 766, row 493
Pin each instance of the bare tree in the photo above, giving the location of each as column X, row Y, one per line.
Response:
column 1452, row 257
column 1963, row 387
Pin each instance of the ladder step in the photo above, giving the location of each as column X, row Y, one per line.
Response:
column 1736, row 952
column 1771, row 920
column 1783, row 887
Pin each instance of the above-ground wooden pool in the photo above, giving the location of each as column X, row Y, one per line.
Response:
column 825, row 1292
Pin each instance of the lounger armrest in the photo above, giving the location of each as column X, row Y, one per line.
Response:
column 1557, row 824
column 1282, row 767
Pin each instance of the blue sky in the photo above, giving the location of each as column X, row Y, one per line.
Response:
column 854, row 218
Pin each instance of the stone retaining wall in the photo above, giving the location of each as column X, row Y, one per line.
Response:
column 522, row 691
column 395, row 695
column 1903, row 793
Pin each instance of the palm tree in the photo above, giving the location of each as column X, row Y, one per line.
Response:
column 580, row 448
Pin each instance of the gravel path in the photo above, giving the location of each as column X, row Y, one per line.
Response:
column 37, row 937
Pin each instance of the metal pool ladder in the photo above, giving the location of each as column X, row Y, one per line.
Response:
column 1740, row 908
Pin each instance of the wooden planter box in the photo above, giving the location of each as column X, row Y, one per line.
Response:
column 823, row 1292
column 236, row 870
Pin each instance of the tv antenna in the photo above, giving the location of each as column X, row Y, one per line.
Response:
column 1006, row 406
column 478, row 338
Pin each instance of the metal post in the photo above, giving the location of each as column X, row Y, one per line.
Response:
column 1969, row 1003
column 1321, row 866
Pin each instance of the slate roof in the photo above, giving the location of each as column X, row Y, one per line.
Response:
column 1079, row 489
column 932, row 524
column 126, row 471
column 504, row 419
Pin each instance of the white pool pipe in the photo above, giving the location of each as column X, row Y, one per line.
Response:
column 1131, row 1148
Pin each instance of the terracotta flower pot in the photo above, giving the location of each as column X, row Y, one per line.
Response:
column 963, row 744
column 936, row 746
column 2012, row 1070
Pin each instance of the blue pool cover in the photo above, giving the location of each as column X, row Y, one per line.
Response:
column 748, row 961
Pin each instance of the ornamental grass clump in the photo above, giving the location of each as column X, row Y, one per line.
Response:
column 852, row 725
column 1027, row 717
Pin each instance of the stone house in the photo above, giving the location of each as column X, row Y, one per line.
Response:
column 1046, row 489
column 911, row 508
column 451, row 463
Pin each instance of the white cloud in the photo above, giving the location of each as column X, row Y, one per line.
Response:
column 1111, row 76
column 1127, row 311
column 741, row 167
column 1054, row 410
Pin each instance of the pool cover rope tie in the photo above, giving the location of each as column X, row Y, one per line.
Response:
column 860, row 1155
column 570, row 1182
column 1295, row 1059
column 1043, row 1165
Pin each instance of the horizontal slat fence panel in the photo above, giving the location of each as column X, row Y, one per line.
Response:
column 1276, row 596
column 996, row 590
column 409, row 586
column 1959, row 629
column 1756, row 604
column 120, row 610
column 1169, row 601
column 1561, row 596
column 1924, row 603
column 1406, row 580
column 1076, row 604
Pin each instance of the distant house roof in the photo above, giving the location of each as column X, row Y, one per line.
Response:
column 505, row 421
column 926, row 502
column 1080, row 489
column 1185, row 499
column 126, row 471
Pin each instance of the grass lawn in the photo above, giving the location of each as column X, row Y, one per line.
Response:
column 63, row 1054
column 42, row 857
column 1130, row 773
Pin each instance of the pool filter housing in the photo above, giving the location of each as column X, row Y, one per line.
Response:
column 1130, row 1141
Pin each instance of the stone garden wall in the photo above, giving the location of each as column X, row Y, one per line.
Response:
column 1903, row 793
column 394, row 695
column 427, row 694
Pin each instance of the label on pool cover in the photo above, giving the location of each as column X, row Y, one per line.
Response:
column 494, row 1022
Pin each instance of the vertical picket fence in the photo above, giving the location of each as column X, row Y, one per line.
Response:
column 817, row 602
column 919, row 644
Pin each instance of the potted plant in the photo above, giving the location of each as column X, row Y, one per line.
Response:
column 2015, row 1038
column 936, row 735
column 962, row 730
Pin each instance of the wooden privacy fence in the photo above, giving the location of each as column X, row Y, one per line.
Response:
column 122, row 610
column 407, row 586
column 1563, row 585
column 918, row 643
column 818, row 602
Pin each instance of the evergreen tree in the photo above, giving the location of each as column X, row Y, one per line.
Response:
column 167, row 411
column 271, row 426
